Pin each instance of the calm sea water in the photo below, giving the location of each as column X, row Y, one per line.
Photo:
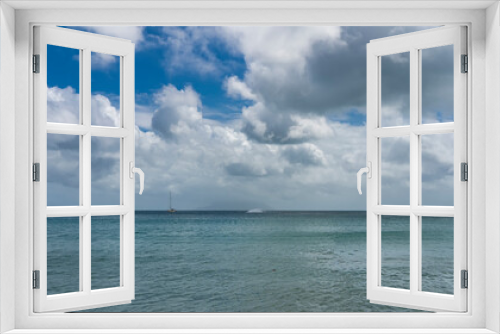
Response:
column 243, row 262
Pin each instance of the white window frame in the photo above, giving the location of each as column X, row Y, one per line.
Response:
column 16, row 215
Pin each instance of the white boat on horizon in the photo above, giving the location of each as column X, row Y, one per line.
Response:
column 255, row 211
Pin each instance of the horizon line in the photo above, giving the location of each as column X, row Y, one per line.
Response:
column 246, row 210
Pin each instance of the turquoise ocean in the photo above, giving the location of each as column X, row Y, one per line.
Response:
column 227, row 261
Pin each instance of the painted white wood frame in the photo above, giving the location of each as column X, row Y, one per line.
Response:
column 483, row 311
column 86, row 43
column 414, row 43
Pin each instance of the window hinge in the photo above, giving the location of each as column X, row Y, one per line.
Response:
column 465, row 64
column 464, row 170
column 36, row 172
column 465, row 279
column 36, row 63
column 36, row 279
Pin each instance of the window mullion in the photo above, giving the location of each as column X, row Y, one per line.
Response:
column 414, row 171
column 86, row 177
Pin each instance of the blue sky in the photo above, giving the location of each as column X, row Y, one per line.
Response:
column 244, row 117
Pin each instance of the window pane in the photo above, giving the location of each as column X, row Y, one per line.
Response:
column 437, row 254
column 437, row 84
column 63, row 255
column 105, row 89
column 437, row 169
column 395, row 170
column 396, row 251
column 105, row 252
column 63, row 85
column 105, row 171
column 63, row 170
column 395, row 89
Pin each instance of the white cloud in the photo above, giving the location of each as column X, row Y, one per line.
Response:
column 103, row 113
column 103, row 61
column 143, row 119
column 305, row 154
column 278, row 155
column 309, row 127
column 271, row 125
column 271, row 46
column 238, row 89
column 178, row 111
column 63, row 105
column 214, row 165
column 188, row 49
column 276, row 77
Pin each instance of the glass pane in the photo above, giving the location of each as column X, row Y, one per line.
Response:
column 63, row 255
column 437, row 254
column 437, row 84
column 395, row 89
column 105, row 252
column 105, row 171
column 105, row 81
column 63, row 170
column 437, row 169
column 395, row 170
column 63, row 85
column 396, row 251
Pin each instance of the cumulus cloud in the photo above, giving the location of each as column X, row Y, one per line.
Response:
column 192, row 49
column 271, row 46
column 321, row 71
column 306, row 155
column 103, row 113
column 178, row 111
column 278, row 61
column 287, row 150
column 238, row 89
column 270, row 126
column 277, row 80
column 102, row 61
column 63, row 106
column 214, row 165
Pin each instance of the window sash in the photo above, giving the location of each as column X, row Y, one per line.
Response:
column 413, row 43
column 86, row 297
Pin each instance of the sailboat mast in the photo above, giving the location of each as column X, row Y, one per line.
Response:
column 170, row 200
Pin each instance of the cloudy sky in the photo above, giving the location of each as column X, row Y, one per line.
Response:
column 249, row 117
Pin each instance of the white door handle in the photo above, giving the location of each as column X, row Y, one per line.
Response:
column 132, row 171
column 368, row 171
